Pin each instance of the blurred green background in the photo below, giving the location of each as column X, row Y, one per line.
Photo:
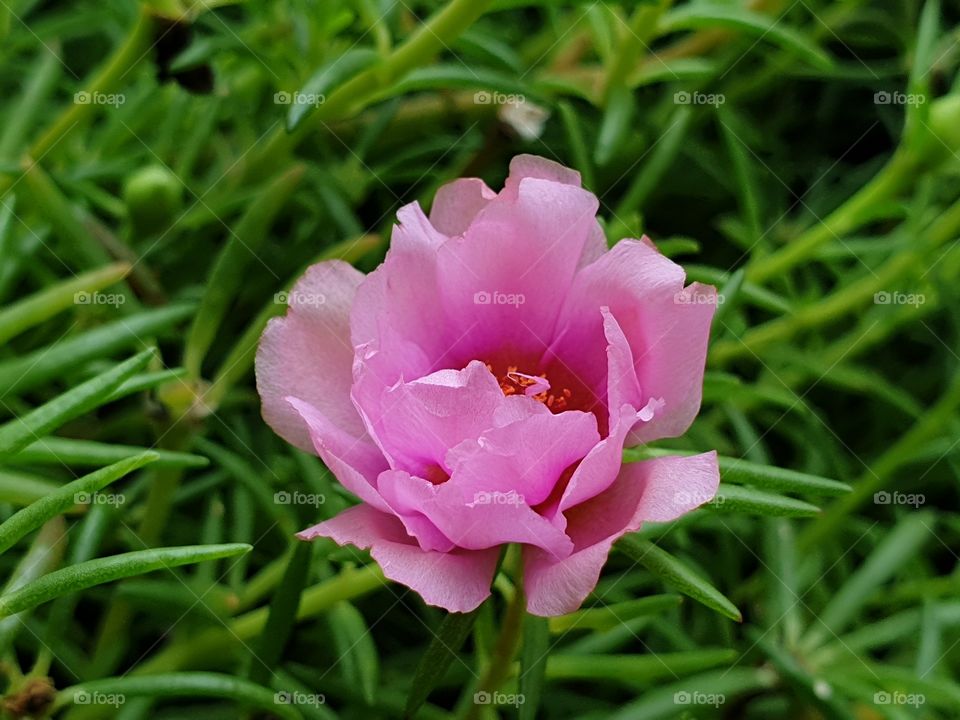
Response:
column 167, row 169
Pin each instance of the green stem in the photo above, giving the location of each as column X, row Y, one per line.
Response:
column 112, row 640
column 895, row 175
column 213, row 644
column 23, row 116
column 642, row 27
column 432, row 37
column 126, row 57
column 77, row 243
column 844, row 300
column 929, row 426
column 500, row 666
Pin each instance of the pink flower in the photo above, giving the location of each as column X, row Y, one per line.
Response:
column 478, row 388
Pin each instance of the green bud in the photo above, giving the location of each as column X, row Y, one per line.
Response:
column 945, row 121
column 154, row 198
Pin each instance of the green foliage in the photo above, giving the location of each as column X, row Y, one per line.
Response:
column 168, row 169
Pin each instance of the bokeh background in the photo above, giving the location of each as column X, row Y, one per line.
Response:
column 168, row 168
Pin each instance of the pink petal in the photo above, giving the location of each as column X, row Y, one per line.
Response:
column 557, row 588
column 399, row 302
column 667, row 328
column 534, row 166
column 471, row 520
column 623, row 387
column 355, row 463
column 599, row 468
column 406, row 495
column 457, row 581
column 497, row 480
column 457, row 203
column 671, row 367
column 655, row 490
column 595, row 246
column 527, row 456
column 488, row 519
column 423, row 419
column 398, row 323
column 308, row 354
column 505, row 279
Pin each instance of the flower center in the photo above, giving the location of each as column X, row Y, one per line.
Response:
column 514, row 382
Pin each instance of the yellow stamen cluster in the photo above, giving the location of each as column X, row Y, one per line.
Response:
column 514, row 383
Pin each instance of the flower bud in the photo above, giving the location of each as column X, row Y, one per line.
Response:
column 154, row 197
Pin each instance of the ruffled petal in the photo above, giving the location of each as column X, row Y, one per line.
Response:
column 355, row 463
column 540, row 168
column 424, row 418
column 307, row 354
column 533, row 166
column 406, row 495
column 479, row 520
column 666, row 326
column 457, row 581
column 497, row 480
column 505, row 279
column 457, row 203
column 399, row 302
column 655, row 490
